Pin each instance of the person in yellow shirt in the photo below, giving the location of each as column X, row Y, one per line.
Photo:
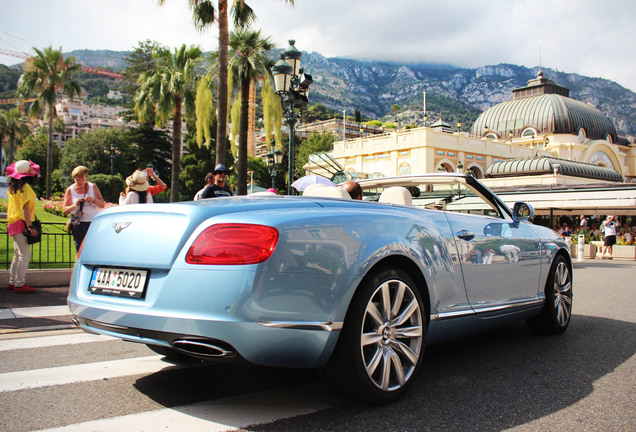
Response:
column 20, row 215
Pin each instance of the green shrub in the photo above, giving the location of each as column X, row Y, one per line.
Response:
column 109, row 185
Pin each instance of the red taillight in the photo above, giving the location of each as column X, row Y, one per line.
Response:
column 233, row 244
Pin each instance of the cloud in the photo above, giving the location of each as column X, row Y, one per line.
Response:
column 581, row 36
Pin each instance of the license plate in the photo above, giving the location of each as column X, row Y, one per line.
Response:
column 118, row 281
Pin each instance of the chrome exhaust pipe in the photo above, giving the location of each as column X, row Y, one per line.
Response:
column 201, row 348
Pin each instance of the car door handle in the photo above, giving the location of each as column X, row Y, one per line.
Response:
column 465, row 235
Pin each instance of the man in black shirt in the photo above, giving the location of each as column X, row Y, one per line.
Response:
column 218, row 188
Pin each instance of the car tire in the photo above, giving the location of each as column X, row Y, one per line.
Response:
column 171, row 354
column 381, row 345
column 555, row 316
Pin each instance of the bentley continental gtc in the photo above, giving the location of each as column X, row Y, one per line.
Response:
column 354, row 288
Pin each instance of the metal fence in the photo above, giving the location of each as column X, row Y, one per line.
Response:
column 56, row 250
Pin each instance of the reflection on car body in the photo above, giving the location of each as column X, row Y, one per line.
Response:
column 355, row 288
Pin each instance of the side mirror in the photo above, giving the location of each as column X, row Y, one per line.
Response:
column 522, row 211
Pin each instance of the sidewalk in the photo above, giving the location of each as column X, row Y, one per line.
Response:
column 43, row 309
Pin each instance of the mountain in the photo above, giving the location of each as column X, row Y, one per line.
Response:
column 373, row 87
column 453, row 93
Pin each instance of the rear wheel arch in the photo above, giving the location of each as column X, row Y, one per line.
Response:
column 380, row 348
column 406, row 264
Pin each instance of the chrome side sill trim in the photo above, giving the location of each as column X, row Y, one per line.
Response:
column 495, row 308
column 453, row 314
column 303, row 325
column 486, row 309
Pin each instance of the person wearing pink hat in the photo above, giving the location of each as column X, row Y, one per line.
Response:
column 20, row 215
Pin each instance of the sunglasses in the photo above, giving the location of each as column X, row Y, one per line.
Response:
column 220, row 172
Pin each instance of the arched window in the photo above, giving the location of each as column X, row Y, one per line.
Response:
column 491, row 135
column 475, row 171
column 529, row 132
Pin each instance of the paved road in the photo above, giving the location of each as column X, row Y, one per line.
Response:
column 506, row 379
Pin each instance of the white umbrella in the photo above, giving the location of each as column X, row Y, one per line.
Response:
column 308, row 180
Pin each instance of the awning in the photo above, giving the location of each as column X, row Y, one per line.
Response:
column 601, row 202
column 588, row 202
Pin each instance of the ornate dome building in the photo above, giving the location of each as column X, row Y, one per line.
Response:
column 543, row 115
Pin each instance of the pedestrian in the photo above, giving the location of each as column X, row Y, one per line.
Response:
column 566, row 231
column 209, row 178
column 609, row 226
column 353, row 189
column 218, row 188
column 159, row 187
column 583, row 223
column 82, row 200
column 136, row 189
column 20, row 216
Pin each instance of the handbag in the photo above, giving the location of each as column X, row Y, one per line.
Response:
column 37, row 226
column 68, row 226
column 76, row 216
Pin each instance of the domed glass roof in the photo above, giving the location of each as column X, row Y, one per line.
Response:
column 548, row 113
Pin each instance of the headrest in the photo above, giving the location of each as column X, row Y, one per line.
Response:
column 396, row 195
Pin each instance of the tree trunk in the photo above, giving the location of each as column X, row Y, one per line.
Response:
column 176, row 151
column 49, row 154
column 7, row 160
column 11, row 147
column 243, row 131
column 224, row 37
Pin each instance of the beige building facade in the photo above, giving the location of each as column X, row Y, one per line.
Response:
column 540, row 121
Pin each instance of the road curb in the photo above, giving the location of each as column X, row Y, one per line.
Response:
column 42, row 277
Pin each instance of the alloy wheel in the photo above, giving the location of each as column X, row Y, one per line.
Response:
column 392, row 335
column 562, row 293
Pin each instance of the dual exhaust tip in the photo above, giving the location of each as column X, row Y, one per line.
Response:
column 201, row 348
column 197, row 348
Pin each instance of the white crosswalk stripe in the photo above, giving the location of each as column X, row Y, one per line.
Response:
column 218, row 415
column 13, row 381
column 34, row 312
column 47, row 341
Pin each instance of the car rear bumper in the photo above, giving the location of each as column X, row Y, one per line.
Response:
column 268, row 344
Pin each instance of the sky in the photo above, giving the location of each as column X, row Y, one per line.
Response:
column 589, row 37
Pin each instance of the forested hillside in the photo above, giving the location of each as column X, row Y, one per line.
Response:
column 453, row 94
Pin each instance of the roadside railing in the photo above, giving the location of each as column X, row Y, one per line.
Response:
column 56, row 250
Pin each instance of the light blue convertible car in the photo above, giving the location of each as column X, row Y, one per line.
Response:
column 356, row 288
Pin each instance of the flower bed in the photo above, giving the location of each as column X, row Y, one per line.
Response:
column 53, row 206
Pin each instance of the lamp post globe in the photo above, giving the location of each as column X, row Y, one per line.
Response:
column 292, row 91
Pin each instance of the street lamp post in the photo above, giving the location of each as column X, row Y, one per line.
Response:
column 292, row 85
column 112, row 152
column 274, row 159
column 460, row 167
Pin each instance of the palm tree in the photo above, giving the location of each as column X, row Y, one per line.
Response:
column 165, row 90
column 46, row 74
column 248, row 60
column 16, row 127
column 204, row 15
column 395, row 109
